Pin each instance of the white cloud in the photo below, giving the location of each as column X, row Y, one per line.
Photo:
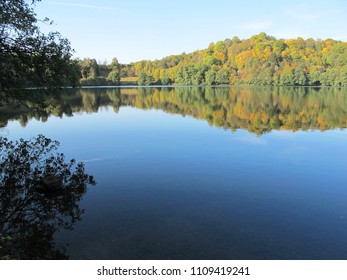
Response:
column 254, row 26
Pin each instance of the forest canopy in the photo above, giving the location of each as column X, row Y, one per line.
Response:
column 259, row 60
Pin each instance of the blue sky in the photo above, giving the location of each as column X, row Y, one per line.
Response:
column 132, row 30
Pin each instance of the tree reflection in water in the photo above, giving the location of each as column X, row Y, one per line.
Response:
column 29, row 218
column 257, row 109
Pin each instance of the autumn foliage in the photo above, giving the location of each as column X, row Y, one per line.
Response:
column 259, row 60
column 257, row 109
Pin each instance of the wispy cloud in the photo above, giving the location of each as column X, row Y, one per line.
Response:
column 284, row 134
column 82, row 5
column 252, row 140
column 254, row 26
column 287, row 33
column 341, row 38
column 296, row 150
column 98, row 159
column 305, row 12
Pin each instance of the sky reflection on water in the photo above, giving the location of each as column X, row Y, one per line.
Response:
column 174, row 187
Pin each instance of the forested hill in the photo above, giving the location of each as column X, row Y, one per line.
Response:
column 259, row 60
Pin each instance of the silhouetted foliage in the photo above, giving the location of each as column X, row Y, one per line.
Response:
column 29, row 217
column 28, row 58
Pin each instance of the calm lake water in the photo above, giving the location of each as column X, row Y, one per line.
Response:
column 201, row 173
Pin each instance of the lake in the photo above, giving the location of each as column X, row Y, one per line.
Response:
column 199, row 173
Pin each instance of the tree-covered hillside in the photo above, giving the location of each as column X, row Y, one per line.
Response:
column 259, row 60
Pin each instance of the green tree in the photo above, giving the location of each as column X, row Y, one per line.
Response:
column 114, row 75
column 28, row 57
column 222, row 77
column 89, row 68
column 165, row 81
column 210, row 77
column 145, row 79
column 300, row 77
